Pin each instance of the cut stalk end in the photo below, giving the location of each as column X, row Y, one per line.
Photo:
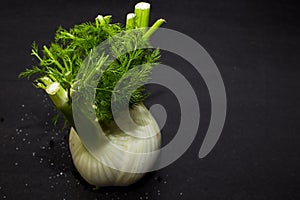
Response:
column 53, row 88
column 142, row 5
column 130, row 21
column 142, row 11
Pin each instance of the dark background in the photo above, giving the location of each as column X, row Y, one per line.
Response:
column 255, row 46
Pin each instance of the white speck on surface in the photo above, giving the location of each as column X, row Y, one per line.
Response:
column 33, row 153
column 22, row 105
column 180, row 194
column 17, row 148
column 16, row 163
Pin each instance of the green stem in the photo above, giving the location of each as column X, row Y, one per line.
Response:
column 142, row 12
column 98, row 20
column 46, row 80
column 102, row 21
column 57, row 94
column 130, row 21
column 34, row 53
column 153, row 28
column 52, row 57
column 59, row 97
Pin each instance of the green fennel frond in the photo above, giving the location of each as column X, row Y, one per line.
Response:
column 60, row 62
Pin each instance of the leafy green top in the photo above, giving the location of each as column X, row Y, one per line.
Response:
column 60, row 63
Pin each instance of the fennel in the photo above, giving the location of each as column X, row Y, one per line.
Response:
column 59, row 63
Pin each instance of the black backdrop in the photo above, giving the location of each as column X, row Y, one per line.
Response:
column 255, row 46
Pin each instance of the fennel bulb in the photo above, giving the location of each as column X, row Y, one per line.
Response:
column 97, row 173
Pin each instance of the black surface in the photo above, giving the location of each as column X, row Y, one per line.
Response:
column 255, row 44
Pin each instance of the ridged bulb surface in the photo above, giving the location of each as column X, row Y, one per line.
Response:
column 98, row 174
